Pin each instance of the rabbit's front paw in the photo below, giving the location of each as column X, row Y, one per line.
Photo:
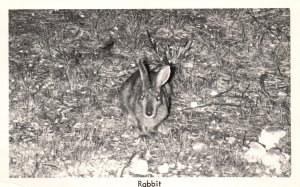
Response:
column 135, row 132
column 131, row 121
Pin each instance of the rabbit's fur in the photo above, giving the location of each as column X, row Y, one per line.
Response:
column 145, row 95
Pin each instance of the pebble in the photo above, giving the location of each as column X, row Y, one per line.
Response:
column 163, row 168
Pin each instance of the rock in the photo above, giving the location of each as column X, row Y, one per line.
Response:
column 199, row 147
column 179, row 166
column 138, row 166
column 147, row 155
column 194, row 104
column 272, row 160
column 255, row 153
column 125, row 135
column 172, row 165
column 282, row 94
column 78, row 126
column 163, row 168
column 271, row 136
column 163, row 129
column 231, row 140
column 213, row 93
column 188, row 65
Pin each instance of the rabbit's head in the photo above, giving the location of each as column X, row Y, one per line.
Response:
column 152, row 96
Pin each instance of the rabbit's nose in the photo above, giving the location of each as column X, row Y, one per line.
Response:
column 149, row 110
column 149, row 113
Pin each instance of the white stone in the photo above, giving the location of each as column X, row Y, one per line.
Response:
column 199, row 147
column 163, row 168
column 271, row 136
column 255, row 153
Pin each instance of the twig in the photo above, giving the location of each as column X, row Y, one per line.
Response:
column 262, row 84
column 210, row 104
column 153, row 44
column 243, row 93
column 221, row 93
column 267, row 27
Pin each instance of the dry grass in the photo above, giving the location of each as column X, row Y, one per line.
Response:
column 66, row 67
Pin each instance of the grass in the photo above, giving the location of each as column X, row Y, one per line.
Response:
column 65, row 68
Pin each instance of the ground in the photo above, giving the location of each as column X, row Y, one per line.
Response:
column 230, row 80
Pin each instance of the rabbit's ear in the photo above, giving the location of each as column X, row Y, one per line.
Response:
column 144, row 74
column 162, row 76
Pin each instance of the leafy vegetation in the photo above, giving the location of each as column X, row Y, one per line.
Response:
column 231, row 79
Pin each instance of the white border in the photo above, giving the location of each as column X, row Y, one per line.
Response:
column 294, row 180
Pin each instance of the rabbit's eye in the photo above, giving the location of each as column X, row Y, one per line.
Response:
column 142, row 97
column 158, row 98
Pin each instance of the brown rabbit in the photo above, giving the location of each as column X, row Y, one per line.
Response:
column 146, row 96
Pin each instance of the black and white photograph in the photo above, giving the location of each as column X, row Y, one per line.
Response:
column 149, row 93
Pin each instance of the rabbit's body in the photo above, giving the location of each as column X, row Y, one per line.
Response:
column 146, row 96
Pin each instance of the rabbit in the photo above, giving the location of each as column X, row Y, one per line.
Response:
column 146, row 95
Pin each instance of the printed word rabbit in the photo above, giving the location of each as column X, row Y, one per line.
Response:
column 146, row 96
